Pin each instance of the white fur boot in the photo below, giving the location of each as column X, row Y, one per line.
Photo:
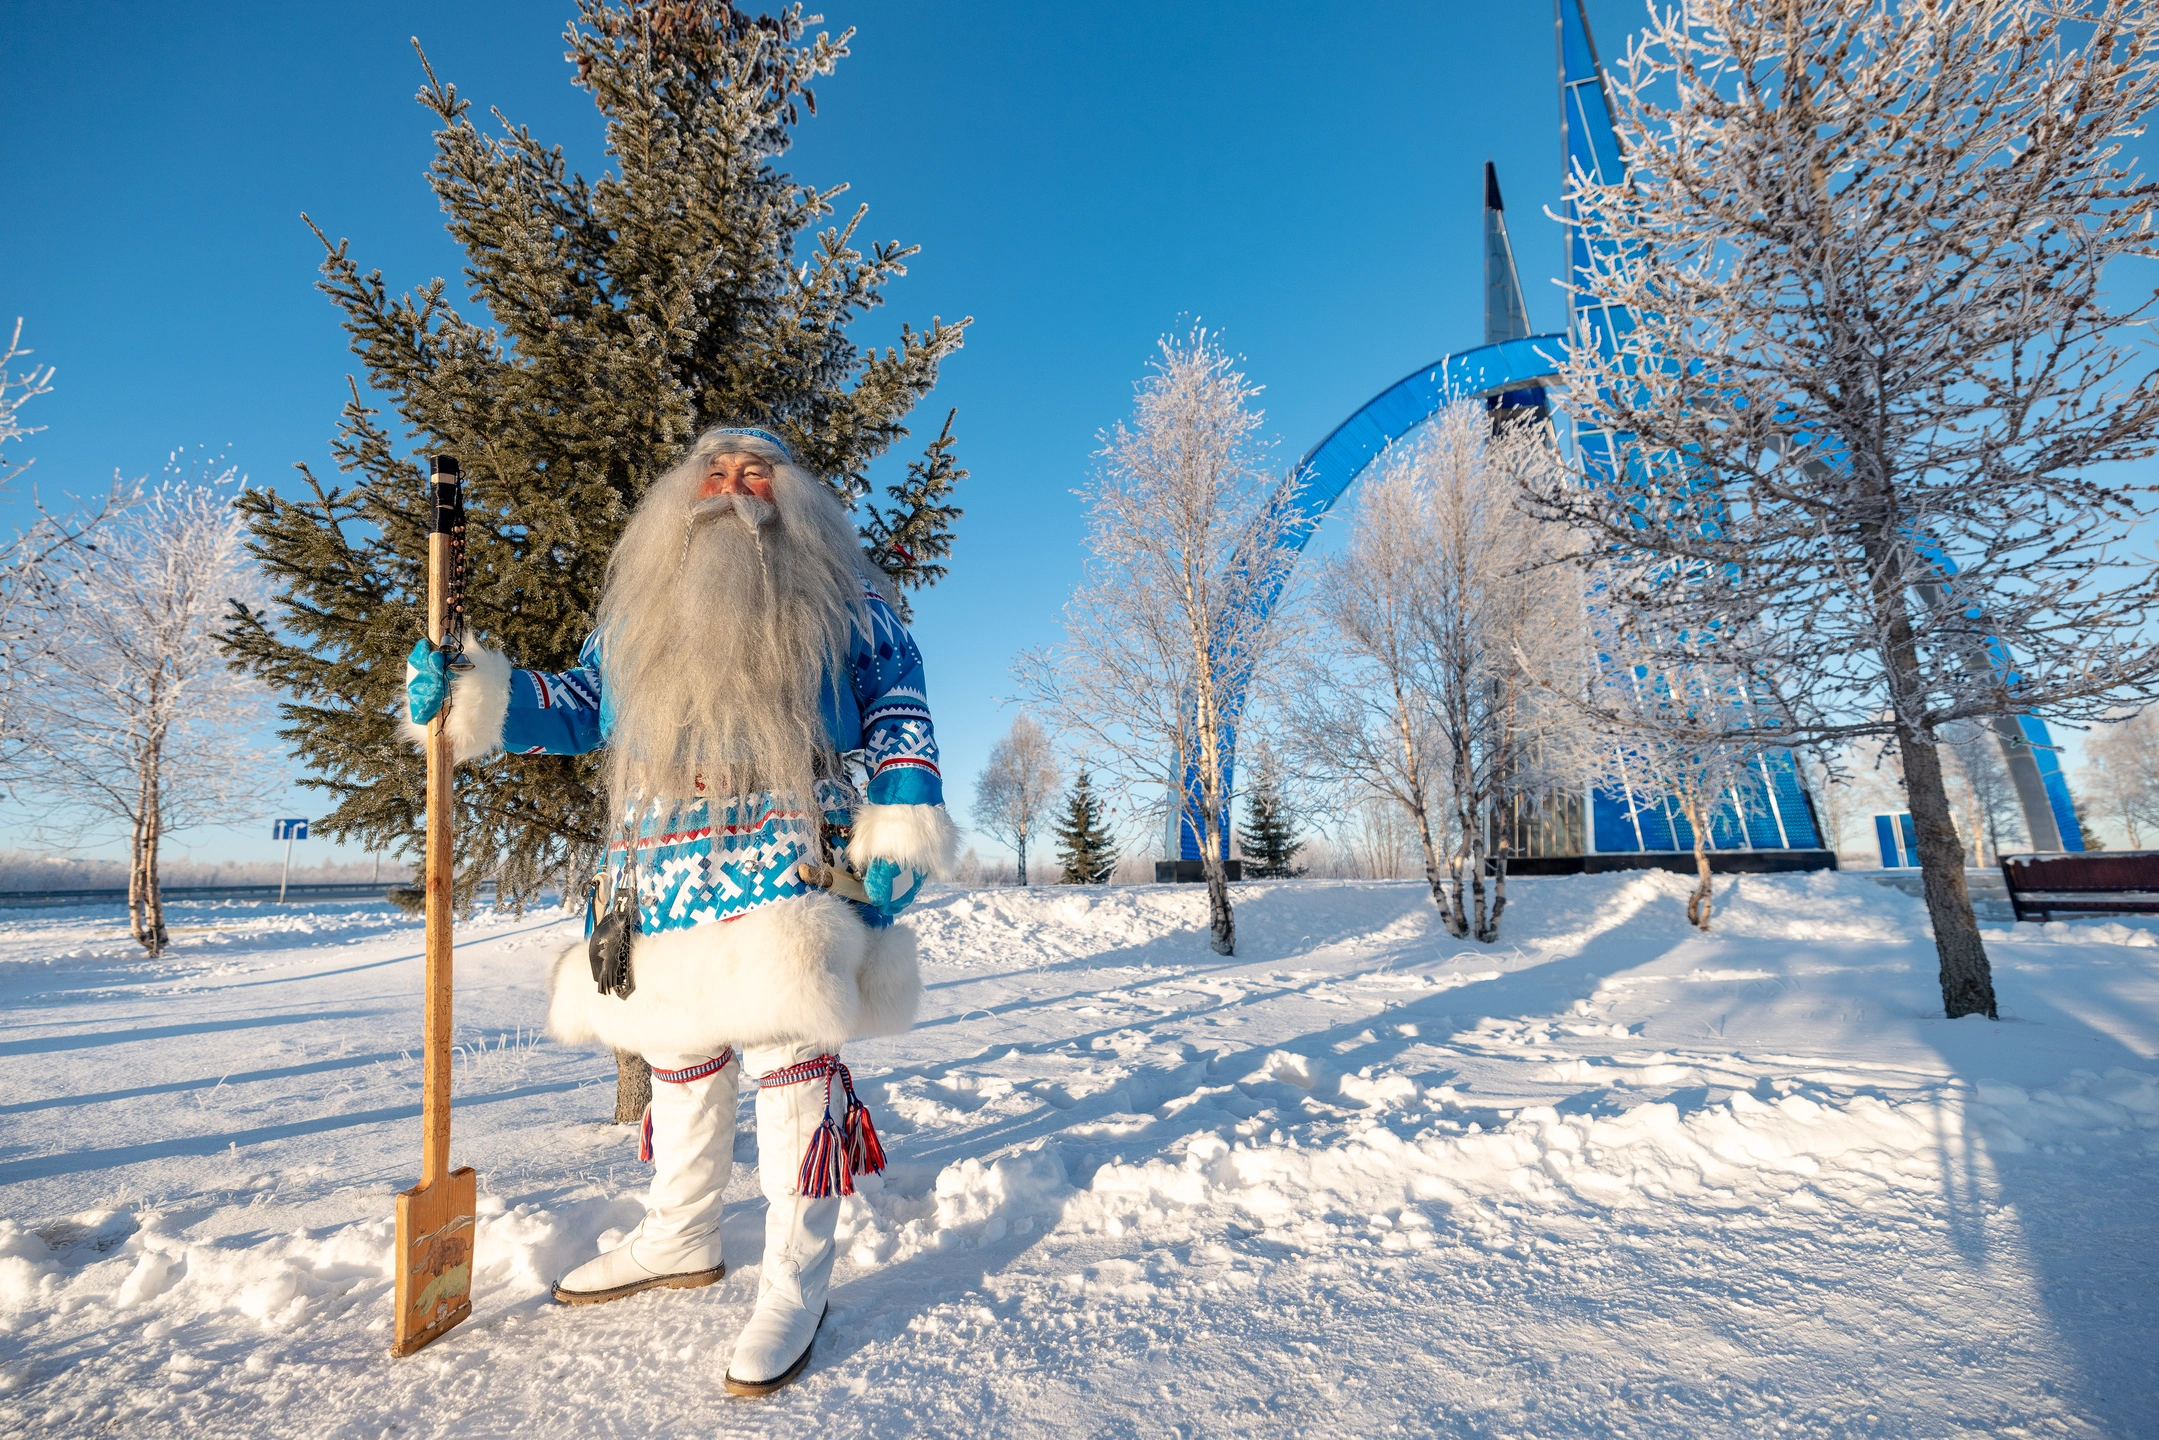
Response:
column 797, row 1270
column 691, row 1128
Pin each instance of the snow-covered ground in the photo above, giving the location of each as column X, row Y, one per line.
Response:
column 1606, row 1178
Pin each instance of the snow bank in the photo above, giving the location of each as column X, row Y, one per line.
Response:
column 1610, row 1176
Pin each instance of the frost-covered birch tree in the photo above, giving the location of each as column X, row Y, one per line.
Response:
column 1354, row 711
column 135, row 713
column 1164, row 636
column 1678, row 735
column 1981, row 790
column 33, row 559
column 2122, row 770
column 1860, row 271
column 1492, row 595
column 1016, row 787
column 1417, row 688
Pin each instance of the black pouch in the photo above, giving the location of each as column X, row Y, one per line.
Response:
column 608, row 951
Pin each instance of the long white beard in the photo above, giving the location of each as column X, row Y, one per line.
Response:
column 716, row 635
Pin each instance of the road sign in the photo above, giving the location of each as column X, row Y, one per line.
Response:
column 287, row 831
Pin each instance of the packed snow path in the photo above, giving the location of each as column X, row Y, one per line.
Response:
column 1606, row 1178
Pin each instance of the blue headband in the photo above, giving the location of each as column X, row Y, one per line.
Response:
column 765, row 435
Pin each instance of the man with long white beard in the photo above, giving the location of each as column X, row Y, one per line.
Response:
column 743, row 654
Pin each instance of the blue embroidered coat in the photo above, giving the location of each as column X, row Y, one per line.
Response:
column 694, row 868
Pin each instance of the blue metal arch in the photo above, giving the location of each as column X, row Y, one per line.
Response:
column 1328, row 469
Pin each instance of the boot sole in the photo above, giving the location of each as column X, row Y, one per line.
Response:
column 755, row 1388
column 689, row 1280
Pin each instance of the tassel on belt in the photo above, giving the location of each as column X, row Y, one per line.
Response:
column 837, row 1152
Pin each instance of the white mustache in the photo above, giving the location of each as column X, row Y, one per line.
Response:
column 755, row 513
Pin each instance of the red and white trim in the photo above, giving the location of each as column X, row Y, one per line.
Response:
column 702, row 1070
column 698, row 1071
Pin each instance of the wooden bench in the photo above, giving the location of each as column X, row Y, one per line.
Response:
column 2108, row 882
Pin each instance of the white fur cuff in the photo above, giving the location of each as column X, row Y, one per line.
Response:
column 920, row 837
column 478, row 707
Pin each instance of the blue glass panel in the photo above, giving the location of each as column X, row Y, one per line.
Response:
column 1658, row 827
column 1611, row 824
column 1792, row 807
column 1726, row 832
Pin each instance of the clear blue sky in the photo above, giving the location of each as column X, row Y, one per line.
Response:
column 1081, row 179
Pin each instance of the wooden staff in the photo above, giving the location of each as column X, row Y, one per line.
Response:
column 435, row 1217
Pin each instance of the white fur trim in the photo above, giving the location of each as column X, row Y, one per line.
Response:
column 479, row 705
column 921, row 837
column 800, row 970
column 891, row 983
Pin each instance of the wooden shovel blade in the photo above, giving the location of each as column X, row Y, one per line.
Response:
column 434, row 1259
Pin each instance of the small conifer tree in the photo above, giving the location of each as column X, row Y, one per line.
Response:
column 614, row 318
column 1084, row 841
column 2092, row 838
column 1268, row 836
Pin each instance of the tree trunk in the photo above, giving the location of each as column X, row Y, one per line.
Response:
column 1499, row 889
column 1457, row 917
column 633, row 1087
column 1967, row 978
column 1478, row 921
column 146, row 907
column 1435, row 873
column 1022, row 849
column 1698, row 904
column 1221, row 923
column 1487, row 921
column 1503, row 771
column 153, row 888
column 1420, row 809
column 135, row 895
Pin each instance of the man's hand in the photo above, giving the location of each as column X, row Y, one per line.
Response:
column 427, row 681
column 891, row 886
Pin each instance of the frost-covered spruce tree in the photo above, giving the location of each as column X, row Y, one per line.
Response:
column 1085, row 844
column 1862, row 249
column 1268, row 836
column 612, row 319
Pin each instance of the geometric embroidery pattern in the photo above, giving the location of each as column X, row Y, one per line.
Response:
column 694, row 868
